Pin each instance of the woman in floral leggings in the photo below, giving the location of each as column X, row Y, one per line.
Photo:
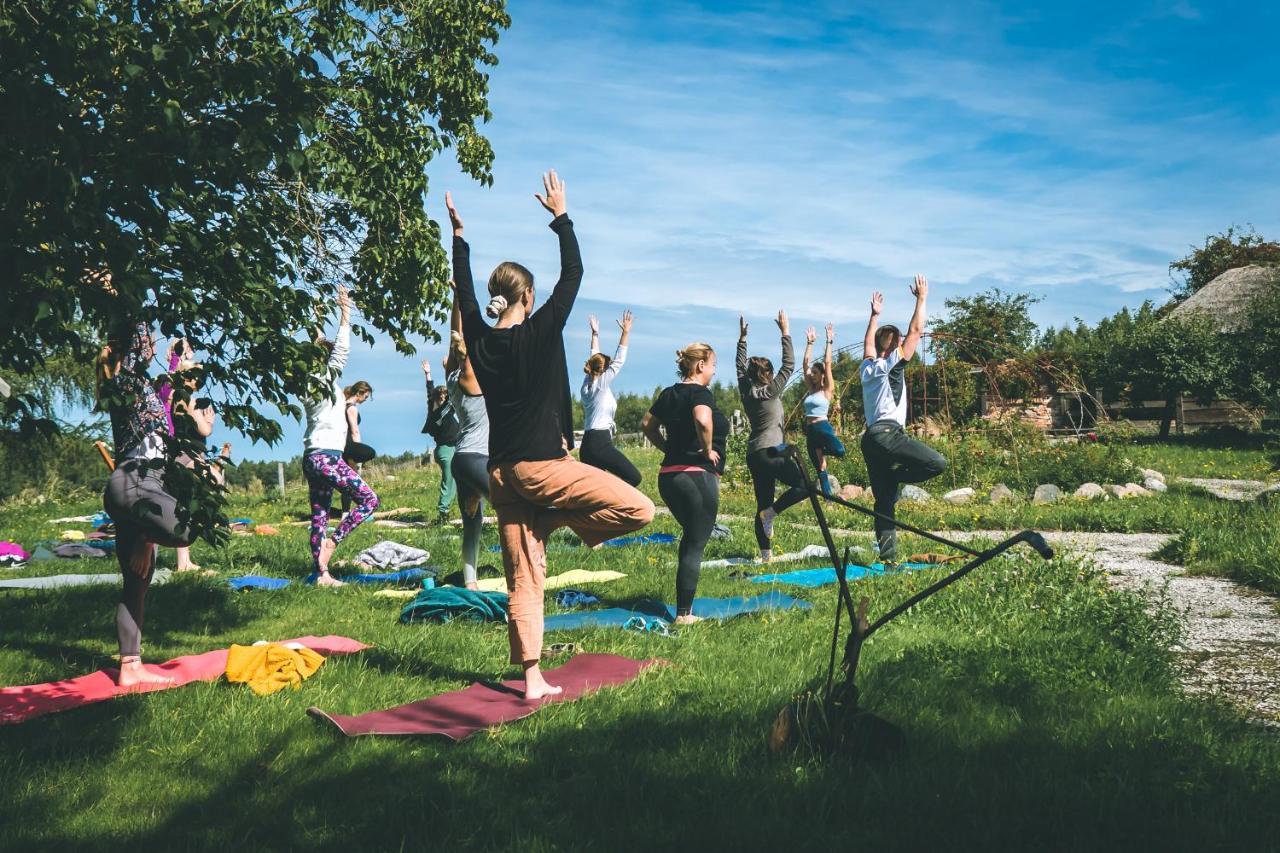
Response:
column 322, row 458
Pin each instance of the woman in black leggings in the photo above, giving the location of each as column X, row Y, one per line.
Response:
column 136, row 498
column 761, row 391
column 692, row 462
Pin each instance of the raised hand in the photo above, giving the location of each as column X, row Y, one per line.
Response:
column 831, row 333
column 920, row 288
column 810, row 335
column 782, row 322
column 426, row 368
column 593, row 323
column 877, row 303
column 454, row 219
column 625, row 323
column 742, row 326
column 344, row 303
column 554, row 200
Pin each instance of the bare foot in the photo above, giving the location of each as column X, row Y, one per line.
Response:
column 535, row 686
column 188, row 567
column 767, row 515
column 143, row 557
column 766, row 555
column 327, row 547
column 534, row 693
column 688, row 619
column 472, row 585
column 133, row 674
column 326, row 579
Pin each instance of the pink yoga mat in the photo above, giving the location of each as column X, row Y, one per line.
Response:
column 465, row 712
column 19, row 704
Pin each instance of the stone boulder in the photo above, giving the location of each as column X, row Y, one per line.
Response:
column 1001, row 494
column 851, row 492
column 1151, row 484
column 1152, row 474
column 1136, row 491
column 1117, row 491
column 1046, row 493
column 912, row 492
column 1091, row 492
column 959, row 496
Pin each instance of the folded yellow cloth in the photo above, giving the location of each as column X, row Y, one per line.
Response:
column 73, row 535
column 272, row 666
column 556, row 581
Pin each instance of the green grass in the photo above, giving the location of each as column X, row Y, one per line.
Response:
column 1041, row 710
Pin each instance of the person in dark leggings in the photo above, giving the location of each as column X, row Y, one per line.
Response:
column 893, row 458
column 471, row 461
column 761, row 391
column 443, row 425
column 692, row 462
column 820, row 390
column 599, row 406
column 143, row 510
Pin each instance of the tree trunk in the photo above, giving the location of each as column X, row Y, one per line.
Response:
column 1170, row 411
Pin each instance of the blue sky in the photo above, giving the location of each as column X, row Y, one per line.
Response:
column 745, row 157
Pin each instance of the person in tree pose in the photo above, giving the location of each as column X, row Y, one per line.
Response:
column 356, row 452
column 761, row 391
column 820, row 383
column 599, row 406
column 324, row 443
column 893, row 458
column 136, row 497
column 471, row 462
column 193, row 419
column 444, row 426
column 534, row 484
column 692, row 462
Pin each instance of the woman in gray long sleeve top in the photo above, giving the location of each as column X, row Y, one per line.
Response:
column 761, row 390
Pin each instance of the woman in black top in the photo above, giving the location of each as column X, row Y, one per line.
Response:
column 535, row 486
column 692, row 462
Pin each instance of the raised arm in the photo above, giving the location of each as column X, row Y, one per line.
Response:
column 342, row 341
column 919, row 289
column 594, row 325
column 810, row 336
column 783, row 376
column 869, row 342
column 464, row 290
column 562, row 298
column 829, row 380
column 742, row 347
column 620, row 354
column 426, row 375
column 455, row 325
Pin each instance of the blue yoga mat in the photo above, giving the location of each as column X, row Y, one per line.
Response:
column 644, row 539
column 389, row 577
column 257, row 582
column 620, row 542
column 708, row 608
column 827, row 576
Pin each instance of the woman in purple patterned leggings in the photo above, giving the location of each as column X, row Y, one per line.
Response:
column 322, row 457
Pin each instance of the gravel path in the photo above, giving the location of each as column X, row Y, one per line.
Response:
column 1231, row 644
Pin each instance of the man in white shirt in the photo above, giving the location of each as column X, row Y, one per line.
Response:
column 892, row 457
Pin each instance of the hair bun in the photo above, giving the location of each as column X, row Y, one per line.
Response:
column 496, row 306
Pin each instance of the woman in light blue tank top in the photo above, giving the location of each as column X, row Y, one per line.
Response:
column 820, row 383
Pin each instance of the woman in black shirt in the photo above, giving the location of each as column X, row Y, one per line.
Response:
column 692, row 462
column 535, row 486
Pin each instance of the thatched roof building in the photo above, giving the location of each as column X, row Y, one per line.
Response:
column 1225, row 301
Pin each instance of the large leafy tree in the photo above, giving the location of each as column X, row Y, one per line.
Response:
column 1235, row 247
column 988, row 326
column 230, row 164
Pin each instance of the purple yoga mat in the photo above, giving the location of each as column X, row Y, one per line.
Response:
column 465, row 712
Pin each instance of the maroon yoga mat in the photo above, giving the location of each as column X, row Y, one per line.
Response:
column 465, row 712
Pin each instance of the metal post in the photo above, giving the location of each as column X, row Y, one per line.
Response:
column 280, row 477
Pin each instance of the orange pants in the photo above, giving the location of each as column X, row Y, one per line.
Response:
column 531, row 500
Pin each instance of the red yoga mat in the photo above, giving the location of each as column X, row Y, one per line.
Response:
column 465, row 712
column 19, row 704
